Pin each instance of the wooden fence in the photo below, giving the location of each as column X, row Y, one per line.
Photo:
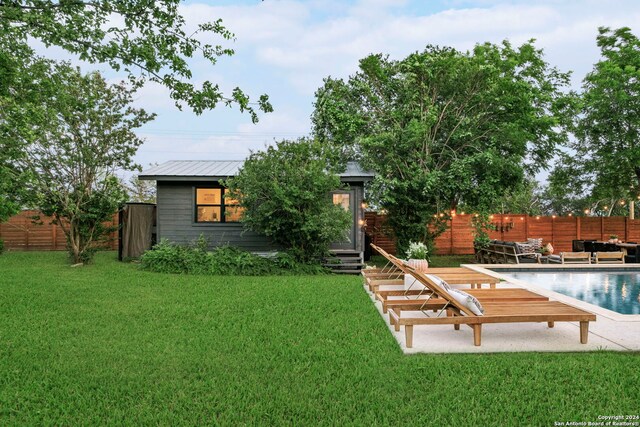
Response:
column 559, row 231
column 21, row 234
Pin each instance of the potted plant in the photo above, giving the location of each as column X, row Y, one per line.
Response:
column 417, row 256
column 613, row 238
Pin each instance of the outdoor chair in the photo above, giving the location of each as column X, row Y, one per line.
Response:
column 577, row 246
column 571, row 258
column 412, row 299
column 449, row 310
column 609, row 258
column 633, row 254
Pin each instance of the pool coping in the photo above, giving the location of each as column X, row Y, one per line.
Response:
column 490, row 269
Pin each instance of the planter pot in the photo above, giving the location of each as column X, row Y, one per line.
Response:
column 419, row 264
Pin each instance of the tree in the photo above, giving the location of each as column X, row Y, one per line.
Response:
column 141, row 191
column 147, row 39
column 284, row 191
column 525, row 199
column 607, row 147
column 81, row 134
column 443, row 128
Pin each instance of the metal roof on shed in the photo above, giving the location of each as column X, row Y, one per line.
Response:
column 206, row 170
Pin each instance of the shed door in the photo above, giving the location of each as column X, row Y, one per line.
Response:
column 346, row 199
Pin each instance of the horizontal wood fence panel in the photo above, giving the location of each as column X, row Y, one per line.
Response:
column 20, row 233
column 559, row 231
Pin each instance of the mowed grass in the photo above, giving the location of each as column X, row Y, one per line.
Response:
column 109, row 344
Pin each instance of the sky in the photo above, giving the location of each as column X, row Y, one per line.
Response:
column 286, row 48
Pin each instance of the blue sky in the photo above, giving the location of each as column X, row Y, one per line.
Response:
column 285, row 49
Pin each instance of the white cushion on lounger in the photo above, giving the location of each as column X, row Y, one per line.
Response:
column 468, row 301
column 438, row 281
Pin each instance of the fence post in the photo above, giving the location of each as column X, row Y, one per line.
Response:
column 451, row 236
column 626, row 229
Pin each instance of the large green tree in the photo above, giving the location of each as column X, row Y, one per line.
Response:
column 285, row 193
column 146, row 39
column 607, row 147
column 443, row 128
column 81, row 131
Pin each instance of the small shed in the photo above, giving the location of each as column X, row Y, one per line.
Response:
column 191, row 202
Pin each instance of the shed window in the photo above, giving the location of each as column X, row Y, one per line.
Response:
column 212, row 205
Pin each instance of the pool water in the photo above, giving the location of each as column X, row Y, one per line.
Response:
column 619, row 292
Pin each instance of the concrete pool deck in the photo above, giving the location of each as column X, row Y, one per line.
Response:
column 611, row 331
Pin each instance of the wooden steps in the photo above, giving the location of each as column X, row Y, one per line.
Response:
column 345, row 262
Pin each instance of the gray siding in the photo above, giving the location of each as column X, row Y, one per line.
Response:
column 176, row 221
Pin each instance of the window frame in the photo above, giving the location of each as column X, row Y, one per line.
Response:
column 222, row 205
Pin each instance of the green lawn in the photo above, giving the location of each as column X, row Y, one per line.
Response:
column 109, row 344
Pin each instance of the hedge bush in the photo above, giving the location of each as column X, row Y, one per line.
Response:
column 166, row 257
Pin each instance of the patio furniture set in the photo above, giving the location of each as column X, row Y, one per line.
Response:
column 583, row 252
column 431, row 300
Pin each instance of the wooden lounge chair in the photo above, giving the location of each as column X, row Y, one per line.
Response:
column 457, row 314
column 609, row 258
column 417, row 297
column 392, row 274
column 571, row 258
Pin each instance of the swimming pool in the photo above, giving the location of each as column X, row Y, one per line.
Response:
column 616, row 291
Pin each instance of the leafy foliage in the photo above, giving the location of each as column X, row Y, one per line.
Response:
column 148, row 40
column 417, row 250
column 80, row 131
column 141, row 191
column 285, row 193
column 443, row 128
column 167, row 257
column 604, row 161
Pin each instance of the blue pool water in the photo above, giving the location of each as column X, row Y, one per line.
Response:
column 619, row 292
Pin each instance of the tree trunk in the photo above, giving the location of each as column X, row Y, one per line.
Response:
column 75, row 243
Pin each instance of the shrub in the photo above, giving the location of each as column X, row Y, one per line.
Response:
column 1, row 246
column 166, row 257
column 284, row 191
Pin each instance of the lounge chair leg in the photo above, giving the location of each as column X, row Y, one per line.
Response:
column 584, row 332
column 384, row 308
column 551, row 324
column 456, row 326
column 396, row 325
column 477, row 334
column 408, row 334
